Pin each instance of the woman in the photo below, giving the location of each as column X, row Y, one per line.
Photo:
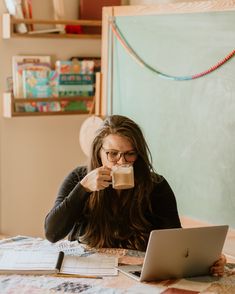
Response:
column 92, row 212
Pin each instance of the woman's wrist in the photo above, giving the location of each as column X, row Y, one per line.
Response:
column 83, row 184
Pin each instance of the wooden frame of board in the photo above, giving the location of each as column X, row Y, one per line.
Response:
column 174, row 7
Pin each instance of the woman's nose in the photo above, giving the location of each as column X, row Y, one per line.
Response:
column 122, row 160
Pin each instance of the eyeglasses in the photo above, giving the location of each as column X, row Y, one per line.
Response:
column 114, row 155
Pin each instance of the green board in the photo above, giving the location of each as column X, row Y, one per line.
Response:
column 189, row 125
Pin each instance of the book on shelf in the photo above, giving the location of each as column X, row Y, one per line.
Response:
column 96, row 60
column 75, row 66
column 59, row 12
column 42, row 107
column 26, row 62
column 76, row 79
column 51, row 262
column 27, row 12
column 75, row 90
column 76, row 105
column 39, row 83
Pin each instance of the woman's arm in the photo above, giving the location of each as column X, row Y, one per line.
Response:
column 68, row 206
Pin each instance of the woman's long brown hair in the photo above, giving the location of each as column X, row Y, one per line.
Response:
column 114, row 221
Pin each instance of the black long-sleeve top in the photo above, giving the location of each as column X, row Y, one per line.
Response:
column 66, row 217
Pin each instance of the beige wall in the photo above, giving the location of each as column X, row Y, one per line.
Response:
column 36, row 152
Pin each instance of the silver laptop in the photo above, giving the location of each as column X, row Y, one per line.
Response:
column 178, row 253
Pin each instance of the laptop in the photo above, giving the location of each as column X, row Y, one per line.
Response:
column 179, row 253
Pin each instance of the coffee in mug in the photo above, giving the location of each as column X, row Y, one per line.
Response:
column 122, row 176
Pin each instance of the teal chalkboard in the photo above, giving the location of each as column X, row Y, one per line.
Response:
column 189, row 125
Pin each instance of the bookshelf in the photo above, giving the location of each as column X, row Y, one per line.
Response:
column 10, row 103
column 9, row 22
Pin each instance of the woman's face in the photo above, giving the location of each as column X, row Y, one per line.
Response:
column 117, row 149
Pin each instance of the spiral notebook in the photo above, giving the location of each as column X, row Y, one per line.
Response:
column 50, row 262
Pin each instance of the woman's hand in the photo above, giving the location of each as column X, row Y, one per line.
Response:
column 217, row 268
column 98, row 179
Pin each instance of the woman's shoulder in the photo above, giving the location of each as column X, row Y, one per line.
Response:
column 80, row 171
column 160, row 183
column 73, row 178
column 158, row 179
column 77, row 174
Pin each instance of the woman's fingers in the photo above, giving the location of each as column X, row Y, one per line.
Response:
column 217, row 271
column 218, row 268
column 97, row 179
column 104, row 177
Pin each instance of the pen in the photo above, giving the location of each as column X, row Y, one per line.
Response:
column 75, row 276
